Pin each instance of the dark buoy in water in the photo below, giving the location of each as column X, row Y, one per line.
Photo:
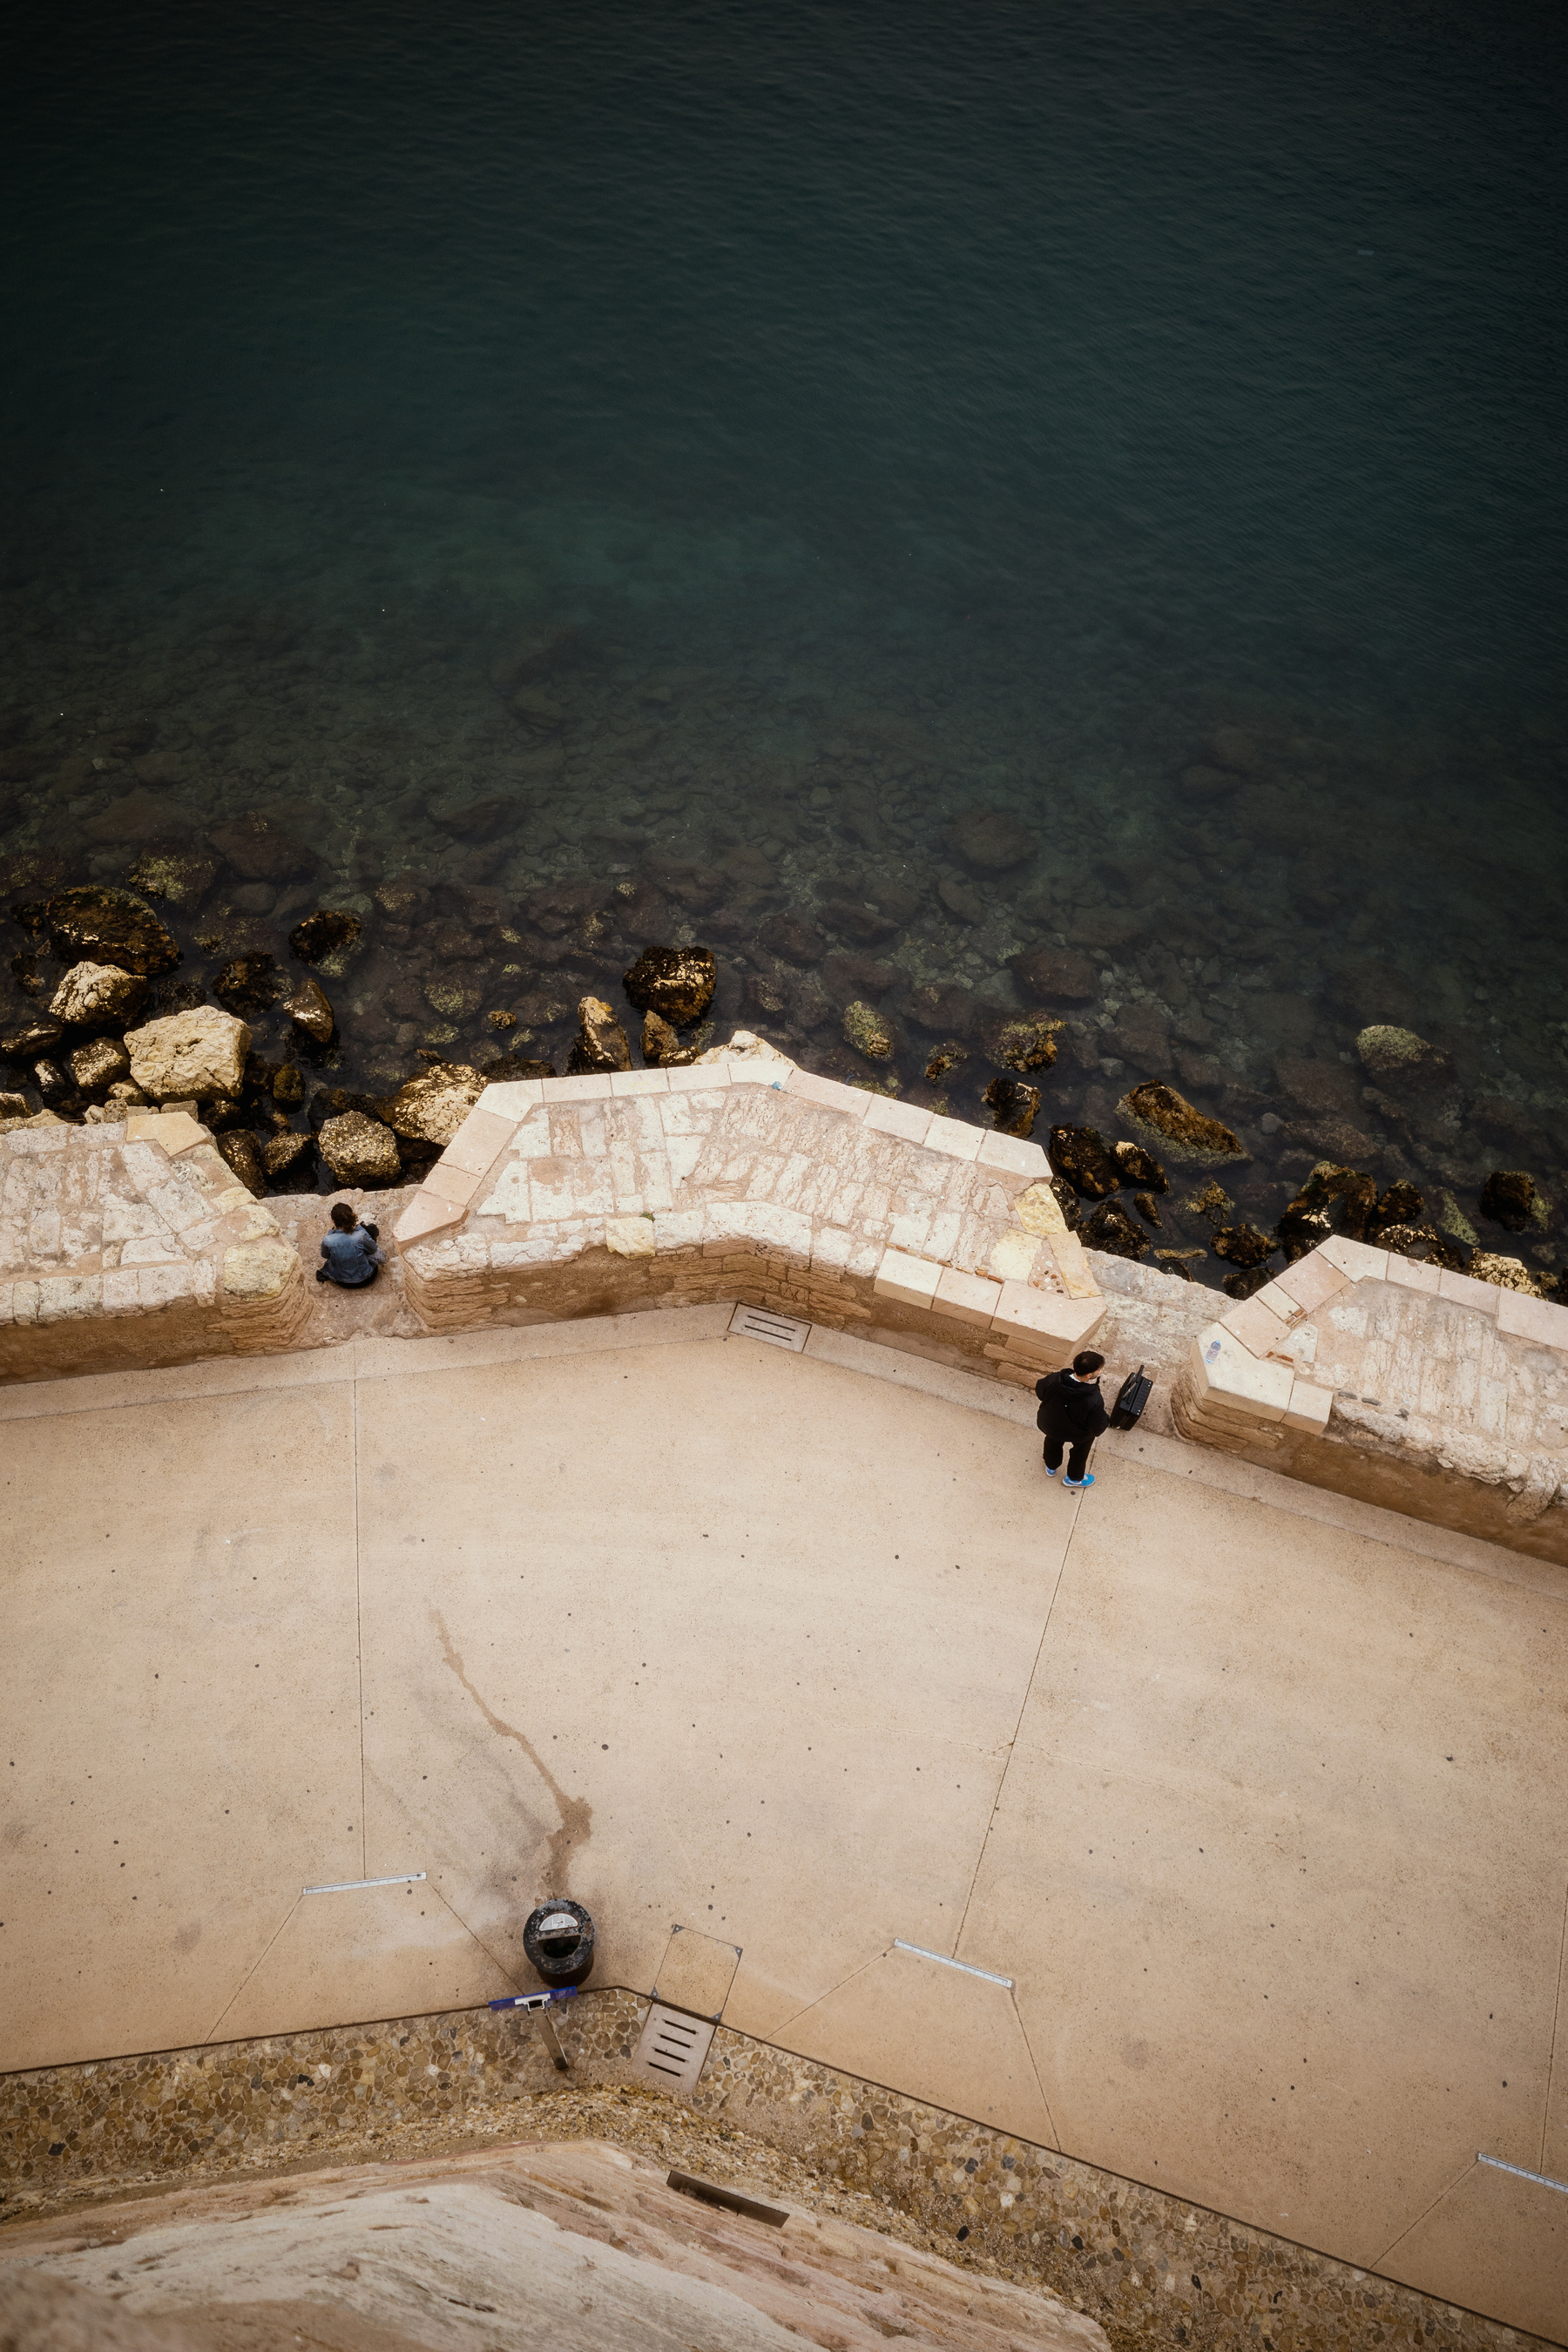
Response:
column 559, row 1941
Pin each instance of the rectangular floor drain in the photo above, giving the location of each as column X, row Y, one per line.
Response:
column 672, row 2049
column 778, row 1330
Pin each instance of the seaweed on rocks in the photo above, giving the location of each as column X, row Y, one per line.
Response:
column 1079, row 1154
column 1113, row 1230
column 174, row 871
column 1029, row 1044
column 1244, row 1245
column 1148, row 1209
column 1423, row 1241
column 1140, row 1167
column 96, row 924
column 1012, row 1106
column 1168, row 1119
column 1400, row 1204
column 1399, row 1057
column 941, row 1064
column 324, row 937
column 677, row 983
column 868, row 1032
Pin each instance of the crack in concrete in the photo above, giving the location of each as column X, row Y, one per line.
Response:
column 576, row 1813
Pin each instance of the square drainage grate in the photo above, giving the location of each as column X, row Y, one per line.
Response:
column 778, row 1330
column 672, row 2049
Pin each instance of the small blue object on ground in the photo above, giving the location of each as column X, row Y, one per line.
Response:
column 1077, row 1485
column 1050, row 1472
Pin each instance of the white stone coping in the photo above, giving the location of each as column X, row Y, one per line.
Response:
column 1242, row 1364
column 1014, row 1312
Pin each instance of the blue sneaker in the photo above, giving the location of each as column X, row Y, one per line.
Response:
column 1077, row 1485
column 1050, row 1472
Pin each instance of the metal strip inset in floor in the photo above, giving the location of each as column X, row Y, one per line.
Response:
column 354, row 1885
column 942, row 1961
column 1519, row 2172
column 778, row 1330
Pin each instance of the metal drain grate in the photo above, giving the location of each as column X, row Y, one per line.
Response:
column 778, row 1330
column 672, row 2049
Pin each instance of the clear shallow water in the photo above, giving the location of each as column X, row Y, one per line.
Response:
column 911, row 412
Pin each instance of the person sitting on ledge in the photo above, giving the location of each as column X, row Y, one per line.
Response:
column 1072, row 1412
column 353, row 1251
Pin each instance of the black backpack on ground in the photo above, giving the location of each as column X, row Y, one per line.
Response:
column 1131, row 1398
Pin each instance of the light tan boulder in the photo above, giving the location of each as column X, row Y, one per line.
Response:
column 189, row 1056
column 95, row 994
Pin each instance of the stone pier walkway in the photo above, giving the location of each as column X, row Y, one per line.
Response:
column 1241, row 1805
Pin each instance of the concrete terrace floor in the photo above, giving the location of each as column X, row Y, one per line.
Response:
column 1256, row 1795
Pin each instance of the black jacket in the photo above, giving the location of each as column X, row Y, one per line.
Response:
column 1070, row 1407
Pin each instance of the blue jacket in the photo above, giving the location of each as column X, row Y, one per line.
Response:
column 352, row 1258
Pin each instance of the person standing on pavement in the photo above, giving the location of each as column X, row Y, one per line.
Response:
column 1072, row 1414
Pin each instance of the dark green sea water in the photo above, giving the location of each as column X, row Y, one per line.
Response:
column 904, row 411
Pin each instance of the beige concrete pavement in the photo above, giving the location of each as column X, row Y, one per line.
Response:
column 1255, row 1802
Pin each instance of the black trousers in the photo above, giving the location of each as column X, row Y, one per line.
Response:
column 1078, row 1451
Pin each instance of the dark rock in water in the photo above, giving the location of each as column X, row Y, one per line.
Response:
column 94, row 924
column 540, row 713
column 236, row 1147
column 289, row 1084
column 1366, row 990
column 1402, row 1204
column 255, row 897
column 1398, row 1057
column 989, row 841
column 661, row 1048
column 1140, row 1167
column 766, row 996
column 249, row 984
column 696, row 887
column 29, row 1039
column 601, row 1042
column 1508, row 1196
column 960, row 901
column 1012, row 1106
column 324, row 935
column 676, row 983
column 53, row 1083
column 309, row 1009
column 1111, row 1229
column 1320, row 1089
column 845, row 975
column 432, row 1107
column 1421, row 1241
column 1211, row 1202
column 1142, row 1035
column 1334, row 1137
column 507, row 1066
column 1207, row 785
column 1243, row 1284
column 1498, row 1120
column 99, row 1066
column 259, row 849
column 290, row 1158
column 1243, row 1245
column 1332, row 1200
column 1057, row 975
column 360, row 1151
column 25, row 971
column 176, row 996
column 1029, row 1044
column 97, row 996
column 1228, row 747
column 400, row 897
column 1148, row 1209
column 332, row 1102
column 477, row 820
column 1169, row 1118
column 946, row 1007
column 793, row 939
column 1079, row 1154
column 1177, row 1262
column 862, row 924
column 947, row 1058
column 868, row 1032
column 1066, row 1201
column 171, row 870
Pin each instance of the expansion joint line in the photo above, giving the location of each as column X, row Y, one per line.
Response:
column 359, row 1633
column 1556, row 2019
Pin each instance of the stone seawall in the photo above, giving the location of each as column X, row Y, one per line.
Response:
column 1136, row 2259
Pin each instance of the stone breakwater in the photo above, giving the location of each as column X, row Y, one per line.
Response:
column 1146, row 2265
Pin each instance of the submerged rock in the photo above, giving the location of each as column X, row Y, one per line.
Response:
column 97, row 996
column 1507, row 1197
column 1111, row 1229
column 1014, row 1106
column 1148, row 1209
column 198, row 1054
column 168, row 869
column 100, row 1064
column 1421, row 1241
column 661, row 1047
column 1245, row 1245
column 259, row 849
column 676, row 983
column 1029, row 1044
column 601, row 1042
column 325, row 937
column 309, row 1009
column 865, row 1029
column 793, row 939
column 1176, row 1261
column 360, row 1151
column 989, row 841
column 431, row 1108
column 1400, row 1204
column 94, row 924
column 1057, row 975
column 30, row 1038
column 1507, row 1273
column 1079, row 1154
column 1140, row 1167
column 1398, row 1056
column 947, row 1058
column 1169, row 1118
column 236, row 1147
column 1332, row 1200
column 248, row 983
column 1243, row 1283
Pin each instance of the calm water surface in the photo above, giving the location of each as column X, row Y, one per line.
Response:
column 1141, row 421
